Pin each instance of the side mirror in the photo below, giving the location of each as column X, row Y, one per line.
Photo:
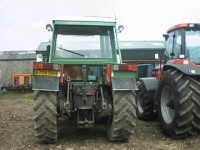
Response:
column 166, row 36
column 172, row 54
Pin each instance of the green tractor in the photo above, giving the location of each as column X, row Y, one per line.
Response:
column 81, row 76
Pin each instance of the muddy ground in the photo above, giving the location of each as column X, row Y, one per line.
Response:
column 16, row 132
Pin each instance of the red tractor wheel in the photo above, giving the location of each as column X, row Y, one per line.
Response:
column 175, row 105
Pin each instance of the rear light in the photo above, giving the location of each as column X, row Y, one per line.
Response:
column 179, row 61
column 45, row 66
column 155, row 72
column 108, row 73
column 125, row 67
column 62, row 73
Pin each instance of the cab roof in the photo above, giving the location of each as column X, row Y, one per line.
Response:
column 86, row 20
column 183, row 25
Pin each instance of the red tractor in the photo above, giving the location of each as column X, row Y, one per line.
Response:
column 173, row 91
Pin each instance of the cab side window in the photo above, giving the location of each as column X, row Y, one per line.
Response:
column 174, row 44
column 177, row 44
column 169, row 45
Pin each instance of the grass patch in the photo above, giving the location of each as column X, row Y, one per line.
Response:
column 28, row 95
column 22, row 94
column 3, row 93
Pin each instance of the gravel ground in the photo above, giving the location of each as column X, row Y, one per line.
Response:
column 16, row 132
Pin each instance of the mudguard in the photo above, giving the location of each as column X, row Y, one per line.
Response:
column 150, row 83
column 124, row 84
column 187, row 69
column 45, row 83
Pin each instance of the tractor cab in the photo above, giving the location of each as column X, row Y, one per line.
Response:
column 183, row 42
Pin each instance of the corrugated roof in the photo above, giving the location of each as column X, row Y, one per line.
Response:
column 126, row 45
column 43, row 46
column 141, row 44
column 123, row 45
column 17, row 55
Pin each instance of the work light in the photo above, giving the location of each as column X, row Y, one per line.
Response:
column 49, row 27
column 120, row 28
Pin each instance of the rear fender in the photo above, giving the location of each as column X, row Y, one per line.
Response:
column 150, row 84
column 46, row 76
column 45, row 83
column 187, row 69
column 124, row 84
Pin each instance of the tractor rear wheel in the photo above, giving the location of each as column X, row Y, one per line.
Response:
column 123, row 116
column 195, row 87
column 175, row 104
column 145, row 104
column 45, row 117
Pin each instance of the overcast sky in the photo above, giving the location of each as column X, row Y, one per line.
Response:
column 22, row 22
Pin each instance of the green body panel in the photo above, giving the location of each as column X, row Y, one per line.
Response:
column 125, row 74
column 83, row 61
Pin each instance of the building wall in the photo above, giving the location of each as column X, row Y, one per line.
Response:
column 7, row 68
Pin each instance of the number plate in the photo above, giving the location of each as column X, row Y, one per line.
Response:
column 46, row 73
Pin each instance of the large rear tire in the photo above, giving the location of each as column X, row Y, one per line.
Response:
column 123, row 117
column 175, row 104
column 195, row 87
column 45, row 117
column 145, row 103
